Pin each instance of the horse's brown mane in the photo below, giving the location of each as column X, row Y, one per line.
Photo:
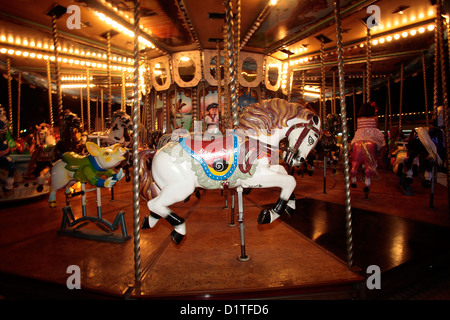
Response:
column 271, row 114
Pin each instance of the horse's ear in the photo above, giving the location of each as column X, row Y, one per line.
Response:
column 115, row 147
column 92, row 148
column 315, row 119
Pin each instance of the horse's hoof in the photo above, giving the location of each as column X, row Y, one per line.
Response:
column 310, row 173
column 366, row 189
column 290, row 211
column 145, row 224
column 176, row 237
column 426, row 184
column 52, row 204
column 415, row 171
column 353, row 185
column 40, row 188
column 264, row 217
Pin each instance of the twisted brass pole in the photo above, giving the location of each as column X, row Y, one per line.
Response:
column 88, row 100
column 444, row 90
column 232, row 64
column 49, row 84
column 81, row 106
column 123, row 106
column 322, row 89
column 9, row 78
column 424, row 69
column 368, row 64
column 402, row 68
column 57, row 68
column 136, row 214
column 348, row 208
column 19, row 92
column 108, row 40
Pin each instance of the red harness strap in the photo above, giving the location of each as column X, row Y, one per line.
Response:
column 257, row 148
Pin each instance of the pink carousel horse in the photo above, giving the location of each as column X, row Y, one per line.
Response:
column 366, row 143
column 364, row 152
column 246, row 157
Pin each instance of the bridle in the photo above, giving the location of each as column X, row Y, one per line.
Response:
column 292, row 152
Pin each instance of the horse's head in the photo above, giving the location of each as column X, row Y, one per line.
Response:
column 302, row 138
column 43, row 131
column 121, row 126
column 71, row 120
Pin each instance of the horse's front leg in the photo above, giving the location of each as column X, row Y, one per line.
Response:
column 274, row 176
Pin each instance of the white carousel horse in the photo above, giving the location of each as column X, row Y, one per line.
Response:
column 247, row 158
column 117, row 133
column 424, row 145
column 87, row 169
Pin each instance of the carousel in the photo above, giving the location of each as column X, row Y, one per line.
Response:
column 254, row 149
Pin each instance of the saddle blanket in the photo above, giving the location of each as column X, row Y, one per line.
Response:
column 218, row 158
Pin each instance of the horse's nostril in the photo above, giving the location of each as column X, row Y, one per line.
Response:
column 302, row 159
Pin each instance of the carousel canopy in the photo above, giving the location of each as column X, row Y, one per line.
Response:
column 297, row 33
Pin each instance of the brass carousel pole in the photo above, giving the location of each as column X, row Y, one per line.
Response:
column 136, row 214
column 424, row 69
column 322, row 88
column 231, row 62
column 219, row 81
column 348, row 207
column 235, row 114
column 50, row 103
column 402, row 68
column 368, row 64
column 81, row 107
column 237, row 38
column 57, row 67
column 88, row 101
column 439, row 26
column 123, row 93
column 108, row 42
column 9, row 78
column 19, row 92
column 101, row 110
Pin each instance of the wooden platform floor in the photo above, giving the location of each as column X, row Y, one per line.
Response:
column 287, row 258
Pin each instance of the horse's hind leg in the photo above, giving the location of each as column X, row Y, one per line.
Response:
column 356, row 162
column 159, row 207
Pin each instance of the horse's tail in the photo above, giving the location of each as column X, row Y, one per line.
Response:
column 370, row 158
column 146, row 185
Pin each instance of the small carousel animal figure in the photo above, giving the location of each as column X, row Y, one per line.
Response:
column 428, row 145
column 43, row 155
column 70, row 137
column 119, row 131
column 327, row 145
column 366, row 144
column 246, row 157
column 95, row 169
column 5, row 159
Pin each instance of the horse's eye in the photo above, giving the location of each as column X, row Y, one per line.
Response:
column 106, row 154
